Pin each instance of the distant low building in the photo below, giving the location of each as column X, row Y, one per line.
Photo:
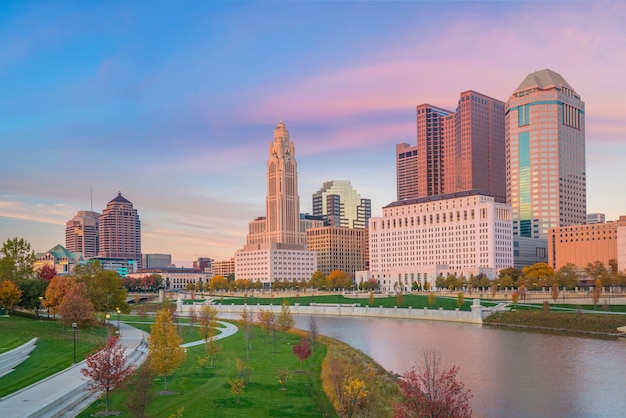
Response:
column 224, row 267
column 60, row 258
column 154, row 261
column 175, row 278
column 583, row 244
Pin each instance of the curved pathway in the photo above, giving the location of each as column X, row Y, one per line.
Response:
column 64, row 395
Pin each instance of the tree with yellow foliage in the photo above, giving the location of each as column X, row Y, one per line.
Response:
column 166, row 354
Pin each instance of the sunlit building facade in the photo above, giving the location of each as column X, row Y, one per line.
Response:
column 342, row 205
column 81, row 233
column 120, row 231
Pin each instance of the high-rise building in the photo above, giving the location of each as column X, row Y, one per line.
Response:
column 155, row 261
column 416, row 240
column 338, row 248
column 120, row 231
column 275, row 246
column 455, row 151
column 204, row 264
column 545, row 155
column 81, row 234
column 342, row 205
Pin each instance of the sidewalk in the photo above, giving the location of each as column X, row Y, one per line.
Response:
column 63, row 394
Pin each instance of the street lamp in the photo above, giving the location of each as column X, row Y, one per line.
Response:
column 39, row 306
column 118, row 321
column 75, row 329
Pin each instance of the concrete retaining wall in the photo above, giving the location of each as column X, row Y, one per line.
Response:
column 11, row 359
column 475, row 316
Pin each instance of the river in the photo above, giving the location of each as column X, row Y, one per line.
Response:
column 510, row 373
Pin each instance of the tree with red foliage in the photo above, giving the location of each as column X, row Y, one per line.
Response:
column 432, row 391
column 107, row 369
column 302, row 350
column 47, row 272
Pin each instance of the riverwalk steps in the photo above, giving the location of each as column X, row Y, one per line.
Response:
column 474, row 316
column 12, row 358
column 63, row 394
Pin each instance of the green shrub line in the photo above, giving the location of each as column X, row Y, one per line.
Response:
column 559, row 321
column 53, row 352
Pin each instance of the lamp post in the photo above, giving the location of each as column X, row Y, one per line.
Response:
column 39, row 306
column 119, row 331
column 75, row 329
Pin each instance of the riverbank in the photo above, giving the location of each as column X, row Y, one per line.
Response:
column 580, row 323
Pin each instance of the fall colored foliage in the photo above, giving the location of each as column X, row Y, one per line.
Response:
column 107, row 369
column 432, row 391
column 75, row 307
column 10, row 295
column 166, row 354
column 302, row 350
column 57, row 289
column 285, row 319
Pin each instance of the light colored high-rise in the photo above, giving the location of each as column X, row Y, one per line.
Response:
column 81, row 234
column 461, row 233
column 342, row 205
column 545, row 155
column 455, row 151
column 275, row 246
column 338, row 248
column 120, row 231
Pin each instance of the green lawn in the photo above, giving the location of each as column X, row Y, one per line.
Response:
column 205, row 392
column 54, row 350
column 416, row 301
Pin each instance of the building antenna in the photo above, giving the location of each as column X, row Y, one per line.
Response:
column 91, row 197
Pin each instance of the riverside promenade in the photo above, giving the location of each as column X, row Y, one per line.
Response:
column 63, row 394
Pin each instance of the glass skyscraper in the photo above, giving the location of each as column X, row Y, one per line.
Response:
column 545, row 155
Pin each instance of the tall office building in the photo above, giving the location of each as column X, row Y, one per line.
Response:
column 455, row 151
column 156, row 261
column 275, row 246
column 342, row 205
column 120, row 231
column 81, row 234
column 545, row 155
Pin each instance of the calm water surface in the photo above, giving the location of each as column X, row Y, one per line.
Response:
column 510, row 373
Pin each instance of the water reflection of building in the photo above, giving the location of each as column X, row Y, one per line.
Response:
column 416, row 240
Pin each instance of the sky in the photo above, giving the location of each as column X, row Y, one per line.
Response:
column 174, row 104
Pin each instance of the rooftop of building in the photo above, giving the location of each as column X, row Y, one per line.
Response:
column 425, row 199
column 120, row 199
column 59, row 251
column 543, row 79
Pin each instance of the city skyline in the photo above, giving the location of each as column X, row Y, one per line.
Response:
column 174, row 104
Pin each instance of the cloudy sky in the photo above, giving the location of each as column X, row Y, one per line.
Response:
column 174, row 103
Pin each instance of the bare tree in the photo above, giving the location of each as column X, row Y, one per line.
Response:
column 313, row 331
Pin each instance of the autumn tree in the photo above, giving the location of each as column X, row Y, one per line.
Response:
column 597, row 271
column 567, row 276
column 240, row 379
column 107, row 369
column 538, row 275
column 371, row 298
column 55, row 292
column 139, row 391
column 166, row 354
column 16, row 260
column 596, row 292
column 76, row 307
column 313, row 331
column 47, row 272
column 318, row 280
column 302, row 350
column 555, row 292
column 354, row 397
column 400, row 299
column 218, row 283
column 247, row 322
column 431, row 299
column 207, row 319
column 285, row 319
column 433, row 391
column 460, row 298
column 282, row 375
column 515, row 297
column 267, row 322
column 10, row 295
column 106, row 292
column 338, row 279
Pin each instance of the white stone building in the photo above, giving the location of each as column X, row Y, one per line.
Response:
column 460, row 233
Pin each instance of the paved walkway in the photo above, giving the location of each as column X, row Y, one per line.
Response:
column 63, row 394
